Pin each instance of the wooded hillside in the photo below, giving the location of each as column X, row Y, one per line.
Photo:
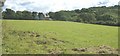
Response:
column 93, row 15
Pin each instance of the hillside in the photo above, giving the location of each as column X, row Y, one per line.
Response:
column 42, row 37
column 94, row 15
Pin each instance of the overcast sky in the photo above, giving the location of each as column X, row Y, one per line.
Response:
column 55, row 5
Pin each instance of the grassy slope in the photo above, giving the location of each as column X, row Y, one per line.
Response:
column 77, row 34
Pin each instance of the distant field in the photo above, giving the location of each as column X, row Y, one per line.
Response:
column 56, row 37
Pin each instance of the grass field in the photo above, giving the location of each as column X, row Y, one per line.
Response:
column 44, row 37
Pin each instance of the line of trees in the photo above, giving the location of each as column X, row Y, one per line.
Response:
column 94, row 15
column 21, row 15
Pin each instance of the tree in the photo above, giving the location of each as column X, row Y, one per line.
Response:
column 27, row 15
column 88, row 17
column 19, row 15
column 104, row 18
column 9, row 14
column 35, row 16
column 77, row 11
column 41, row 16
column 63, row 16
column 52, row 14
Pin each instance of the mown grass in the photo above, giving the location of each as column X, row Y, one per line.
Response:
column 59, row 36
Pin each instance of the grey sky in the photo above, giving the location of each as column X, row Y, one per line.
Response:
column 55, row 5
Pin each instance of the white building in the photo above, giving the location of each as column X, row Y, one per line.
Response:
column 47, row 17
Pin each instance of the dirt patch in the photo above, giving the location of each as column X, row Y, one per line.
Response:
column 55, row 51
column 24, row 33
column 80, row 49
column 38, row 42
column 97, row 49
column 60, row 41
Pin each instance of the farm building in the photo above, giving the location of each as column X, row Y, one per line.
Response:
column 46, row 17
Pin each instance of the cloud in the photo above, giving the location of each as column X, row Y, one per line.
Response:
column 55, row 5
column 103, row 2
column 25, row 3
